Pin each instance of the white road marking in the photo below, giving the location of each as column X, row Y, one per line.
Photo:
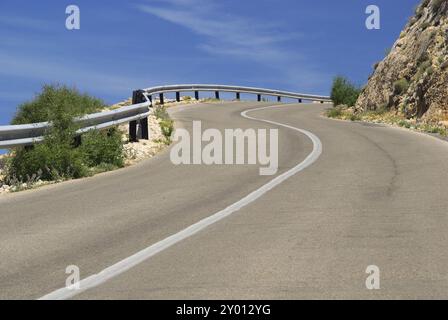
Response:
column 141, row 256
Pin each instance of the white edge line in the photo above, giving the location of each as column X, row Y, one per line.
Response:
column 139, row 257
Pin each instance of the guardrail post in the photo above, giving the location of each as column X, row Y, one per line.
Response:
column 196, row 95
column 133, row 131
column 161, row 99
column 138, row 97
column 217, row 95
column 145, row 128
column 259, row 97
column 133, row 124
column 78, row 141
column 178, row 96
column 279, row 99
column 238, row 97
column 300, row 100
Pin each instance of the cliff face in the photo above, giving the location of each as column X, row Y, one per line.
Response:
column 413, row 78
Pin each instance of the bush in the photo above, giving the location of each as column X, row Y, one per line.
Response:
column 58, row 156
column 167, row 127
column 161, row 113
column 423, row 67
column 49, row 161
column 343, row 92
column 334, row 112
column 166, row 124
column 101, row 148
column 41, row 108
column 401, row 86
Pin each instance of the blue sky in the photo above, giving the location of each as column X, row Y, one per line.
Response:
column 297, row 45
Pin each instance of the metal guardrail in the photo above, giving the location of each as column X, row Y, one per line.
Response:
column 196, row 88
column 136, row 115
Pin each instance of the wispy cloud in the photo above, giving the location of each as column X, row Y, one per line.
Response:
column 68, row 73
column 239, row 37
column 24, row 22
column 234, row 35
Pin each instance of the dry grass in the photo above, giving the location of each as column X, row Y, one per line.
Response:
column 386, row 117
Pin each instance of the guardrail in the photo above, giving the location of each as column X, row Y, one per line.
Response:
column 137, row 114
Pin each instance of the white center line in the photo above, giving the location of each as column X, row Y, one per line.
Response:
column 143, row 255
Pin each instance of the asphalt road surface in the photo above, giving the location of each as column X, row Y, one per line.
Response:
column 375, row 196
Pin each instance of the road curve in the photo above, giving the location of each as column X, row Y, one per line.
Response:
column 376, row 196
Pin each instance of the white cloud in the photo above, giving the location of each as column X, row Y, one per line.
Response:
column 68, row 73
column 240, row 37
column 24, row 22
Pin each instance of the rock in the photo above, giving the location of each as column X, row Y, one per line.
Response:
column 143, row 149
column 420, row 57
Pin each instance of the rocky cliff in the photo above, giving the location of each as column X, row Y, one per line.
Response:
column 413, row 78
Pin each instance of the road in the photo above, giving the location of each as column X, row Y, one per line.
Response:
column 375, row 196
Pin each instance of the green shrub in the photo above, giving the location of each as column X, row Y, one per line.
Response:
column 334, row 112
column 401, row 86
column 58, row 157
column 161, row 113
column 343, row 92
column 167, row 127
column 51, row 162
column 404, row 123
column 40, row 108
column 422, row 68
column 101, row 148
column 166, row 124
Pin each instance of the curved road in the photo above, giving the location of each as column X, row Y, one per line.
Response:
column 375, row 196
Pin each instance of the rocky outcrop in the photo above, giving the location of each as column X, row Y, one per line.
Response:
column 413, row 78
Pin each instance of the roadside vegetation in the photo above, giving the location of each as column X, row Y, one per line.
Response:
column 60, row 156
column 387, row 117
column 344, row 93
column 63, row 155
column 54, row 98
column 166, row 124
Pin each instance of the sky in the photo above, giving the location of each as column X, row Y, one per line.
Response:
column 121, row 46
